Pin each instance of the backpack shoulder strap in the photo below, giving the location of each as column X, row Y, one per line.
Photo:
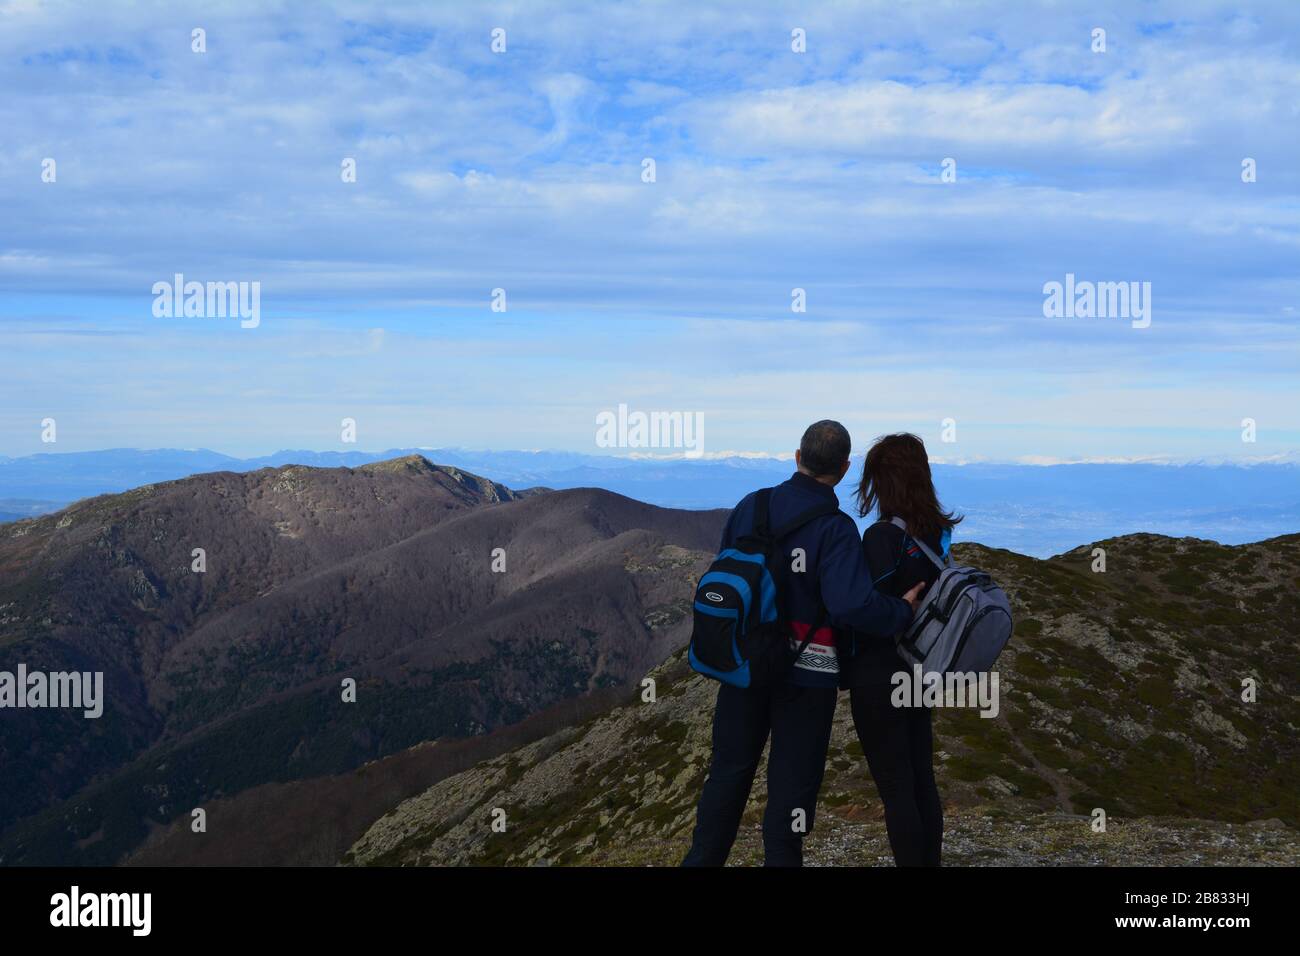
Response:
column 937, row 561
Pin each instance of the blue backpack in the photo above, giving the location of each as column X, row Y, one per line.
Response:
column 742, row 634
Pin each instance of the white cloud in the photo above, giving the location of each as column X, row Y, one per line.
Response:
column 521, row 171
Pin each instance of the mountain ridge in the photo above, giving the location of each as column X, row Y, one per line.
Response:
column 1035, row 509
column 381, row 573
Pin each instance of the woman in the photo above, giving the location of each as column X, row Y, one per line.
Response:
column 897, row 741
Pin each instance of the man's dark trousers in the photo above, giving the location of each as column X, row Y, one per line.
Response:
column 798, row 719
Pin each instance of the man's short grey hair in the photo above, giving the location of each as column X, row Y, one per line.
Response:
column 825, row 447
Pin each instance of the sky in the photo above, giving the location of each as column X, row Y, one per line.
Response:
column 525, row 170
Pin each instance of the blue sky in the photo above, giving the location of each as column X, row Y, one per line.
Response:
column 775, row 170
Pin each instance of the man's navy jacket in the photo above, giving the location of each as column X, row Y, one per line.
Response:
column 835, row 576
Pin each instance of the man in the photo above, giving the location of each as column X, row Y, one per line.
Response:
column 796, row 712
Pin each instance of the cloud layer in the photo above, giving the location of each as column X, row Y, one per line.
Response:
column 773, row 170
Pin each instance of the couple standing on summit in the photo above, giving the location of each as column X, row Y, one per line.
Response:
column 853, row 595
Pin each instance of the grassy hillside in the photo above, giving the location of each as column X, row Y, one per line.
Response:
column 1120, row 690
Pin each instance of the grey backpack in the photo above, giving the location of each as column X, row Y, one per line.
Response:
column 962, row 623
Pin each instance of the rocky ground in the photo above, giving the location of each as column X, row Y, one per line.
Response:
column 984, row 839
